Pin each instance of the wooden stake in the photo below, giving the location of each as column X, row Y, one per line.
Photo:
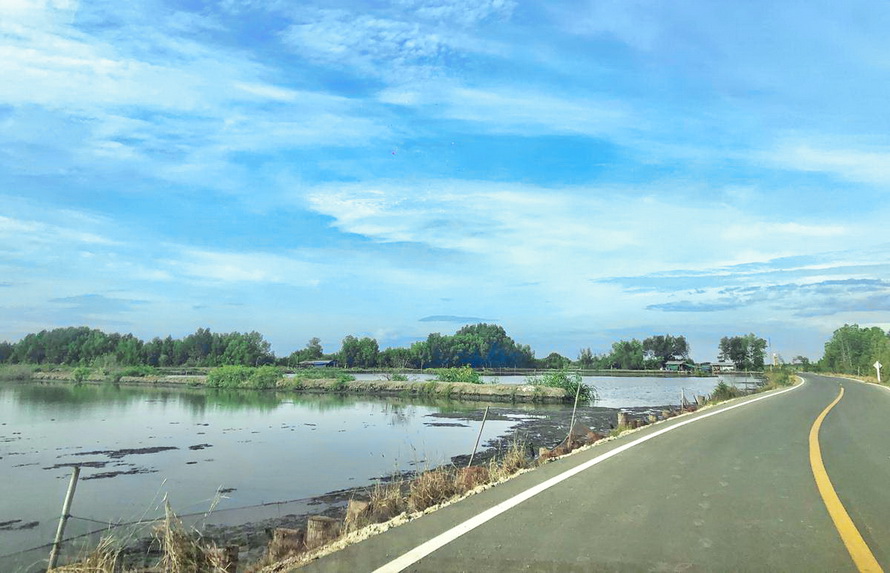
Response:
column 574, row 409
column 479, row 437
column 66, row 508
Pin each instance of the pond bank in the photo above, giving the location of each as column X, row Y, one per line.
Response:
column 431, row 389
column 535, row 429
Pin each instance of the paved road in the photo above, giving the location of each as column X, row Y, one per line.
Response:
column 733, row 491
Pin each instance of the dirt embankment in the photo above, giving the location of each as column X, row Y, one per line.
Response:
column 430, row 389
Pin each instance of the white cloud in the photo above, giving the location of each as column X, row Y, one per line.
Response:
column 369, row 43
column 864, row 164
column 528, row 232
column 507, row 110
column 781, row 231
column 256, row 267
column 153, row 100
column 23, row 235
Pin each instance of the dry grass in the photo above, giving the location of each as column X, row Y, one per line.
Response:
column 387, row 501
column 432, row 488
column 103, row 559
column 182, row 552
column 185, row 552
column 514, row 459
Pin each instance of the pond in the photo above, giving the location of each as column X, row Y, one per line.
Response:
column 140, row 445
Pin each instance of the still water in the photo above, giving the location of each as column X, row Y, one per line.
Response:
column 138, row 445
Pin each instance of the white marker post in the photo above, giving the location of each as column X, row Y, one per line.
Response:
column 878, row 366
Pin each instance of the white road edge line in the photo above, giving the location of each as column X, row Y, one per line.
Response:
column 424, row 549
column 865, row 383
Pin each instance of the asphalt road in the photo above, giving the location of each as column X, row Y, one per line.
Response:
column 733, row 491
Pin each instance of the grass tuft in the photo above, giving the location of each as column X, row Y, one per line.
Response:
column 103, row 559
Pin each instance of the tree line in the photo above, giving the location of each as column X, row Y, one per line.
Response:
column 478, row 345
column 853, row 350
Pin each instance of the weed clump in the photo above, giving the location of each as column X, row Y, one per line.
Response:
column 463, row 374
column 80, row 374
column 778, row 378
column 431, row 488
column 724, row 391
column 103, row 559
column 244, row 377
column 569, row 382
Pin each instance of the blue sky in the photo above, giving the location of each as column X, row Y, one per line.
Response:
column 577, row 172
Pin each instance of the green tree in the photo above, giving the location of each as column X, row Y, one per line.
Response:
column 554, row 361
column 359, row 352
column 658, row 350
column 398, row 358
column 746, row 352
column 853, row 349
column 6, row 350
column 626, row 355
column 586, row 359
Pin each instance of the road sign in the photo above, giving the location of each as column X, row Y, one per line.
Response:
column 878, row 366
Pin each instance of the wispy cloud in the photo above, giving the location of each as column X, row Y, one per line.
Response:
column 245, row 267
column 89, row 304
column 865, row 164
column 502, row 109
column 457, row 319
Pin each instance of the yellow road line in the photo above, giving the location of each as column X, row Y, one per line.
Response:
column 859, row 551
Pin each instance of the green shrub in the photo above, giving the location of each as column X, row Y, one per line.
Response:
column 462, row 374
column 139, row 371
column 568, row 381
column 264, row 377
column 778, row 378
column 244, row 377
column 724, row 391
column 341, row 384
column 292, row 383
column 229, row 377
column 324, row 373
column 80, row 374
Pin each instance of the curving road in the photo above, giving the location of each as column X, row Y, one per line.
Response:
column 731, row 489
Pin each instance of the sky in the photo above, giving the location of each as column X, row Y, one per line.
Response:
column 578, row 172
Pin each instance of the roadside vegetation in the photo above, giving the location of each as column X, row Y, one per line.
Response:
column 724, row 391
column 778, row 378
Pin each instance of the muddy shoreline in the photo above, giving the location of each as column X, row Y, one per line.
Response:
column 534, row 428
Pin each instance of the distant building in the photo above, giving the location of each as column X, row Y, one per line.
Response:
column 679, row 365
column 318, row 364
column 718, row 367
